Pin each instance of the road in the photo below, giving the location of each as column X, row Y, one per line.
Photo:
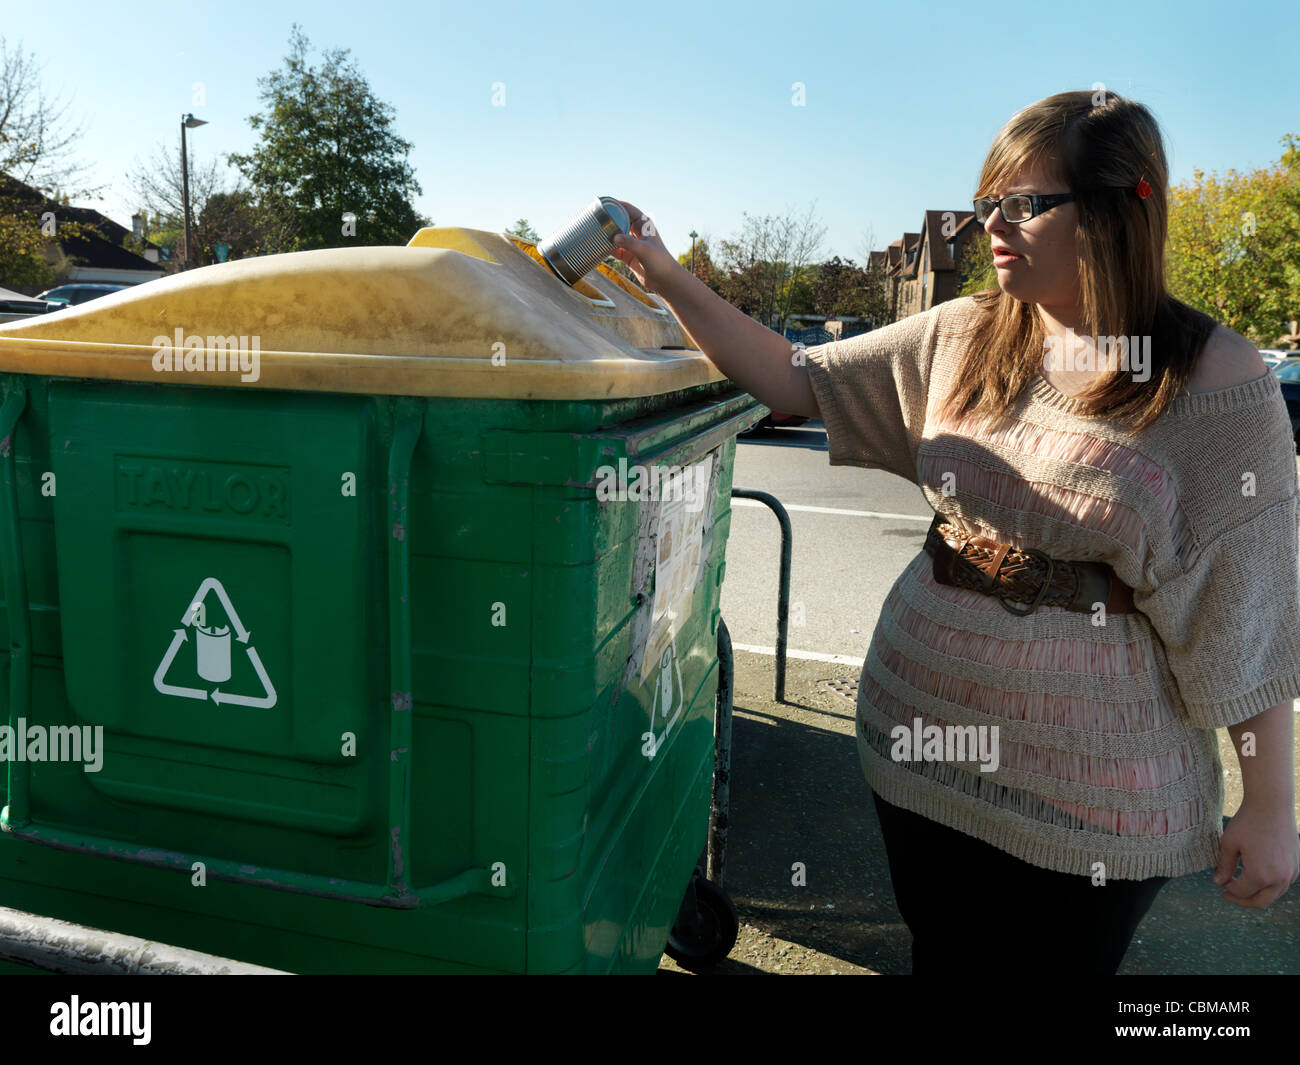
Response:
column 844, row 563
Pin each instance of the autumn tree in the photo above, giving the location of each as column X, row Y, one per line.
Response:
column 975, row 271
column 1234, row 246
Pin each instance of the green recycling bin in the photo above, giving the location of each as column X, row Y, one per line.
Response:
column 362, row 609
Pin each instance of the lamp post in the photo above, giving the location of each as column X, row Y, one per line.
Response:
column 187, row 122
column 693, row 236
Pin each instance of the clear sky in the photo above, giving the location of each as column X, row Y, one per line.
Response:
column 683, row 108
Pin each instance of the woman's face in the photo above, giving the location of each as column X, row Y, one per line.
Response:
column 1046, row 270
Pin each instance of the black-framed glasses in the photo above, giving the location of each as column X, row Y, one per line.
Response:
column 1019, row 206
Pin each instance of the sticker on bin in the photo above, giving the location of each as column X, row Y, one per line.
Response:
column 668, row 700
column 680, row 537
column 188, row 674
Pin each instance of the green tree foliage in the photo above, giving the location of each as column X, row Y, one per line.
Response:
column 329, row 171
column 976, row 271
column 1234, row 246
column 523, row 231
column 705, row 269
column 230, row 218
column 842, row 287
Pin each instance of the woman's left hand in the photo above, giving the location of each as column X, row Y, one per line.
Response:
column 1263, row 837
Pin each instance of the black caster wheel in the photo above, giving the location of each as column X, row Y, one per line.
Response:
column 699, row 940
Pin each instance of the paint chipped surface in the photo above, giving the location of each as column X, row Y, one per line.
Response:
column 398, row 866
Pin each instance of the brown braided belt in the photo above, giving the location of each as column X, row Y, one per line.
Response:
column 1028, row 576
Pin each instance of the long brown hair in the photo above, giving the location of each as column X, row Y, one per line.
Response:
column 1102, row 145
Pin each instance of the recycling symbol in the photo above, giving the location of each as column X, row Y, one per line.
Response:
column 668, row 698
column 213, row 649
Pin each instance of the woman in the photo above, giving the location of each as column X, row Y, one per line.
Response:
column 1112, row 573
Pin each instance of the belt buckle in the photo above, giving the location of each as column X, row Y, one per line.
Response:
column 1042, row 591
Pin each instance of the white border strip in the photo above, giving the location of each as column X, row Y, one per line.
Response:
column 812, row 656
column 833, row 510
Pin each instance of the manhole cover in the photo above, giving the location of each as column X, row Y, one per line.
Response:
column 847, row 688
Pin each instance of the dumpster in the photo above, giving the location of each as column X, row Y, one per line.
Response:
column 362, row 611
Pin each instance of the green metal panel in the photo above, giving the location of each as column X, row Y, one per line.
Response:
column 420, row 744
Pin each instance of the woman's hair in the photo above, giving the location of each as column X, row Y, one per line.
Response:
column 1095, row 141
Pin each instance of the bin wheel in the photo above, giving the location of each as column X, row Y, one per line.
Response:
column 697, row 946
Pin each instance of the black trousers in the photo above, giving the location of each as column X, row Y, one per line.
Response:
column 975, row 909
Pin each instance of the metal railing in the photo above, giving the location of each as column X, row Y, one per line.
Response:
column 783, row 589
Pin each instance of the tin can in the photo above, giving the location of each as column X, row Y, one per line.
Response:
column 574, row 249
column 213, row 647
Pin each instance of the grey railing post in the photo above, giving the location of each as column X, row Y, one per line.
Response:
column 783, row 588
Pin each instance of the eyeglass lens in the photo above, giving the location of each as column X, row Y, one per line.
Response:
column 1014, row 209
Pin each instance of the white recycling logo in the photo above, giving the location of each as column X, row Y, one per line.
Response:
column 669, row 693
column 212, row 649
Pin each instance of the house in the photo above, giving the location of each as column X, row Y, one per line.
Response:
column 97, row 255
column 930, row 268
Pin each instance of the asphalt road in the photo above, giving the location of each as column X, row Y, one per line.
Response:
column 844, row 563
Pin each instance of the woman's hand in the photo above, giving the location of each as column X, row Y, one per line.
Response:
column 644, row 251
column 1264, row 838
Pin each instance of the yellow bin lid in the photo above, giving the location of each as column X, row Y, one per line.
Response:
column 457, row 312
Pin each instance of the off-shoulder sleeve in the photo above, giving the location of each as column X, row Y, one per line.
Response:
column 871, row 390
column 1230, row 625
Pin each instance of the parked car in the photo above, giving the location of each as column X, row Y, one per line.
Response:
column 1288, row 372
column 79, row 292
column 14, row 305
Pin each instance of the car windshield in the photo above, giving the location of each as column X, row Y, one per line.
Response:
column 1289, row 370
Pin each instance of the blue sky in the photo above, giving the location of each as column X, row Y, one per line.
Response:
column 684, row 109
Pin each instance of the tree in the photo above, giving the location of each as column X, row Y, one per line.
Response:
column 523, row 231
column 976, row 271
column 158, row 186
column 329, row 170
column 705, row 269
column 833, row 286
column 35, row 140
column 230, row 218
column 874, row 293
column 765, row 262
column 1234, row 246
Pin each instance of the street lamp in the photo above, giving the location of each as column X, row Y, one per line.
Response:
column 693, row 236
column 187, row 122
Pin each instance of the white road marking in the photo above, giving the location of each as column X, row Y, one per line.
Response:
column 812, row 656
column 834, row 510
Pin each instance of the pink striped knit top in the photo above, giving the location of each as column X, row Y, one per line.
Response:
column 1105, row 744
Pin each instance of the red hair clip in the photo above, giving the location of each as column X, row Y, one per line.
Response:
column 1143, row 189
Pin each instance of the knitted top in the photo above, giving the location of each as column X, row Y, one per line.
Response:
column 1106, row 751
